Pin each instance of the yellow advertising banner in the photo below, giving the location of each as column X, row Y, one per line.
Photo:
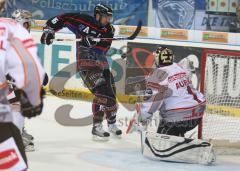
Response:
column 128, row 30
column 38, row 24
column 174, row 34
column 219, row 37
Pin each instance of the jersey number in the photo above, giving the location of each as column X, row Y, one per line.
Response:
column 55, row 20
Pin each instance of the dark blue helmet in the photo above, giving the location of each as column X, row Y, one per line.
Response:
column 103, row 10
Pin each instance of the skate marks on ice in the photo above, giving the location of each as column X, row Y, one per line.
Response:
column 132, row 159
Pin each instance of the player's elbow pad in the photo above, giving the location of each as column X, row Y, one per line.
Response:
column 55, row 23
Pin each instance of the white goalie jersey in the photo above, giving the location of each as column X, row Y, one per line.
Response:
column 18, row 58
column 170, row 91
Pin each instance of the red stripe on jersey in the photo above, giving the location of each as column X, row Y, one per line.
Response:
column 2, row 31
column 68, row 23
column 101, row 48
column 86, row 23
column 193, row 94
column 1, row 46
column 30, row 46
column 27, row 40
column 154, row 85
column 188, row 108
column 28, row 43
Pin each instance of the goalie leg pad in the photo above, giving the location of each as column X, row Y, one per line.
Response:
column 177, row 149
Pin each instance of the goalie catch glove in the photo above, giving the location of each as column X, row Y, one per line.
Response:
column 27, row 109
column 47, row 36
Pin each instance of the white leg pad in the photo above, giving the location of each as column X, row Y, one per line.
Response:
column 177, row 149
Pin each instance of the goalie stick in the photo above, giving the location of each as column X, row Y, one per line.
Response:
column 132, row 37
column 134, row 126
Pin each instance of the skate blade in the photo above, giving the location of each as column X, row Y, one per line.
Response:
column 29, row 148
column 116, row 136
column 99, row 139
column 30, row 138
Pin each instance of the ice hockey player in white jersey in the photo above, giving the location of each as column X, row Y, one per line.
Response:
column 169, row 91
column 18, row 59
column 24, row 18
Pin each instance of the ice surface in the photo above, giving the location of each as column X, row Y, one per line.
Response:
column 62, row 148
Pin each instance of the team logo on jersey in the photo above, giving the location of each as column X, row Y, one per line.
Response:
column 175, row 14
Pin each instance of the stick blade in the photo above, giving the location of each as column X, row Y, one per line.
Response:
column 137, row 31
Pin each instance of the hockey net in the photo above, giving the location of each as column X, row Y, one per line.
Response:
column 220, row 83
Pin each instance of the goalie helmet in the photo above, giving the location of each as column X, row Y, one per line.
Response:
column 163, row 57
column 23, row 17
column 2, row 6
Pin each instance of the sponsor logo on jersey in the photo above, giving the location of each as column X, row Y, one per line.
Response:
column 8, row 159
column 177, row 76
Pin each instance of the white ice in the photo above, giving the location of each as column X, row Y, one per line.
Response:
column 61, row 148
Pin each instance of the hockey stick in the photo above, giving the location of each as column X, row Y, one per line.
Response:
column 132, row 37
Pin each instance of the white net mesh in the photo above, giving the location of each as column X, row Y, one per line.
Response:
column 222, row 90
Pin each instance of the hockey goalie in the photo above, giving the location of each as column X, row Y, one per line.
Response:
column 169, row 91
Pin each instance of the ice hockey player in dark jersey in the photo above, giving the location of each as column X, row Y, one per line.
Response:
column 91, row 59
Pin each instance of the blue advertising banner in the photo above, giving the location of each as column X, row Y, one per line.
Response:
column 126, row 12
column 173, row 13
column 200, row 4
column 187, row 14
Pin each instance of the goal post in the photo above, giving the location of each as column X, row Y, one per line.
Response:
column 220, row 83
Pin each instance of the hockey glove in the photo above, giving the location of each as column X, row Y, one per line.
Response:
column 47, row 36
column 27, row 109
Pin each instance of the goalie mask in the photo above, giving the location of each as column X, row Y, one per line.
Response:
column 24, row 18
column 163, row 57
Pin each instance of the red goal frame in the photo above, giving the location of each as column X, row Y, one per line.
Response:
column 202, row 72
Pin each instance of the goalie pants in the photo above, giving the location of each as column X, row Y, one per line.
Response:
column 94, row 71
column 177, row 128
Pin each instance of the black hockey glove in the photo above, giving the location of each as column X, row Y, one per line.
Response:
column 27, row 109
column 88, row 42
column 47, row 36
